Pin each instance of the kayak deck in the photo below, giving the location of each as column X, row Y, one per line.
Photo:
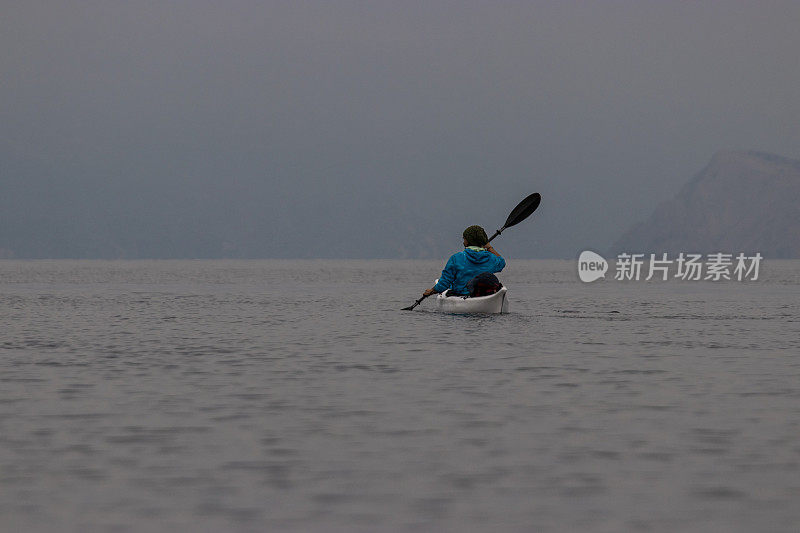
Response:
column 494, row 303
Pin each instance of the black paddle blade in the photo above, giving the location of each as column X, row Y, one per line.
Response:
column 523, row 210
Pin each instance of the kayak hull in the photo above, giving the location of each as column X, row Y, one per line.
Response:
column 494, row 303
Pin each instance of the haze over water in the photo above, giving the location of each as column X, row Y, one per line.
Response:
column 273, row 129
column 295, row 396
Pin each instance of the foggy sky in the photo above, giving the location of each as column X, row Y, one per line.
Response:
column 372, row 129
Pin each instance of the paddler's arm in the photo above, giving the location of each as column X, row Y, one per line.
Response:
column 501, row 263
column 445, row 280
column 489, row 248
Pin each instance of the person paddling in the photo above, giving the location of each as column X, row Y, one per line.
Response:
column 471, row 271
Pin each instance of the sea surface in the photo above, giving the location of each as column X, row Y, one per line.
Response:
column 296, row 396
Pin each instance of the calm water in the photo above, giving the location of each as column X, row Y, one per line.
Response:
column 295, row 396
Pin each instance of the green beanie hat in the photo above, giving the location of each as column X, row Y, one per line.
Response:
column 475, row 236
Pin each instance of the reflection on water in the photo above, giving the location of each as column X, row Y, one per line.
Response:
column 294, row 395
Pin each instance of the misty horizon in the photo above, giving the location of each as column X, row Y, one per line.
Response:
column 313, row 130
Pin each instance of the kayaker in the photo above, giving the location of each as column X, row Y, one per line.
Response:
column 477, row 258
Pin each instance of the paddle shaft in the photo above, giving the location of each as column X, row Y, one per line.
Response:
column 409, row 308
column 496, row 233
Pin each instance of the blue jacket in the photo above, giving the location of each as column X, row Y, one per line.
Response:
column 463, row 266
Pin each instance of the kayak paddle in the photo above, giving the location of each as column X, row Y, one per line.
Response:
column 412, row 306
column 523, row 210
column 520, row 213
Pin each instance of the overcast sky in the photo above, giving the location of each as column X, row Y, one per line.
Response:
column 372, row 129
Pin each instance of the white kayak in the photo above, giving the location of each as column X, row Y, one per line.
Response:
column 494, row 303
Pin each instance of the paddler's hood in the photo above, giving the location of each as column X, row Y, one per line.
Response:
column 477, row 255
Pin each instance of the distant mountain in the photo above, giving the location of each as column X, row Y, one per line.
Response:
column 743, row 201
